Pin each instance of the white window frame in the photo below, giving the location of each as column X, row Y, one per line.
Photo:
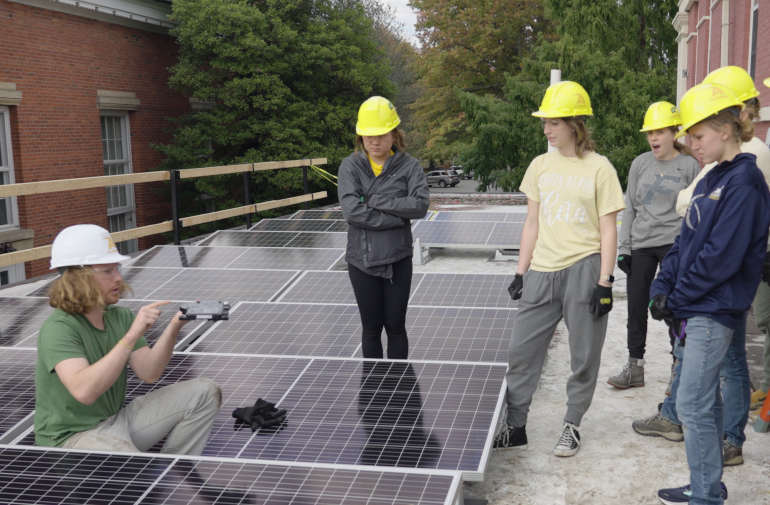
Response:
column 749, row 66
column 13, row 221
column 128, row 162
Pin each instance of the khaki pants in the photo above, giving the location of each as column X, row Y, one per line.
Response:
column 185, row 412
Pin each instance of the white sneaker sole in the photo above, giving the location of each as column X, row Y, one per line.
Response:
column 511, row 448
column 565, row 453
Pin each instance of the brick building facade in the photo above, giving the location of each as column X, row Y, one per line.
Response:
column 83, row 93
column 715, row 33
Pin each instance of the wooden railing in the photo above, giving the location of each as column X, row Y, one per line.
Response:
column 175, row 225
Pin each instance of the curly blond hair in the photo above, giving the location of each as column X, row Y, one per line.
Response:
column 76, row 291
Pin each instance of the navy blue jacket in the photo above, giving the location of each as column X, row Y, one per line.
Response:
column 714, row 267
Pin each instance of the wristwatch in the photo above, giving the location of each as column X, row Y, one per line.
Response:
column 607, row 277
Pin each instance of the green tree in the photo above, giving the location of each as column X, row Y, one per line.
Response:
column 471, row 45
column 623, row 53
column 287, row 76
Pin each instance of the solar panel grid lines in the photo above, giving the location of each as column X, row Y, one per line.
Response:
column 321, row 287
column 320, row 240
column 20, row 320
column 464, row 290
column 506, row 235
column 55, row 476
column 285, row 330
column 17, row 386
column 241, row 258
column 492, row 217
column 314, row 225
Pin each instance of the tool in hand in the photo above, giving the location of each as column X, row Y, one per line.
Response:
column 205, row 310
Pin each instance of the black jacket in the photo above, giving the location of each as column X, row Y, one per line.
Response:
column 380, row 231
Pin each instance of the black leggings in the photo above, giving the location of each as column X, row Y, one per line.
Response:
column 644, row 264
column 383, row 302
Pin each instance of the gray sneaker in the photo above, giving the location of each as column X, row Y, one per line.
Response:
column 632, row 375
column 732, row 455
column 659, row 426
column 671, row 379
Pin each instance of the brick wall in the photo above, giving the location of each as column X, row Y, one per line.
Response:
column 763, row 64
column 58, row 61
column 715, row 56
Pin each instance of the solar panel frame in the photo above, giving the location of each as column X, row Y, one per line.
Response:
column 492, row 217
column 318, row 214
column 468, row 234
column 464, row 290
column 316, row 225
column 327, row 288
column 20, row 320
column 233, row 238
column 54, row 476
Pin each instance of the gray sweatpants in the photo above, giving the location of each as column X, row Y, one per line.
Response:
column 546, row 298
column 184, row 411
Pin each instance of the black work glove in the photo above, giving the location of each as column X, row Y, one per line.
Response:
column 659, row 311
column 516, row 287
column 601, row 301
column 624, row 263
column 766, row 269
column 262, row 414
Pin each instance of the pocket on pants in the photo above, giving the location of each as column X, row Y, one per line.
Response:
column 534, row 287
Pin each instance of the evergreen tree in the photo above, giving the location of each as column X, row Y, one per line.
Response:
column 622, row 53
column 287, row 76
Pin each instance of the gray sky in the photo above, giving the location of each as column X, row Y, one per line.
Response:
column 405, row 15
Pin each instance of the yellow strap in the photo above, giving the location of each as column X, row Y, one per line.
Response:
column 321, row 172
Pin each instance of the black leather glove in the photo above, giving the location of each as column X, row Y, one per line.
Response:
column 624, row 263
column 766, row 269
column 262, row 414
column 516, row 287
column 659, row 311
column 601, row 301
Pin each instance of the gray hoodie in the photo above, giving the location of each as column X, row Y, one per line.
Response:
column 650, row 218
column 380, row 231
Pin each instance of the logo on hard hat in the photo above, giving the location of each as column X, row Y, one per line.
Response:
column 580, row 99
column 716, row 92
column 110, row 245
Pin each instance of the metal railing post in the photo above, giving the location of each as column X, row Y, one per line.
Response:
column 304, row 185
column 175, row 206
column 247, row 197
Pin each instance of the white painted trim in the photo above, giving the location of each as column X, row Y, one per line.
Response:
column 701, row 21
column 686, row 5
column 157, row 23
column 14, row 217
column 725, row 33
column 755, row 6
column 693, row 34
column 764, row 115
column 713, row 4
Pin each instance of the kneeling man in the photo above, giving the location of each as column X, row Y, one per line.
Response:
column 83, row 349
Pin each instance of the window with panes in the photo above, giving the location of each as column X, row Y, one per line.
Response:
column 116, row 146
column 9, row 216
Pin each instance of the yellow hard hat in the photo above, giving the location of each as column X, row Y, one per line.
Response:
column 703, row 101
column 377, row 116
column 735, row 78
column 565, row 99
column 661, row 115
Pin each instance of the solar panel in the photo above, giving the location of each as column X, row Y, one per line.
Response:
column 318, row 214
column 45, row 476
column 17, row 386
column 209, row 284
column 464, row 290
column 20, row 320
column 326, row 287
column 262, row 258
column 479, row 234
column 318, row 225
column 319, row 240
column 435, row 333
column 188, row 257
column 285, row 330
column 418, row 415
column 438, row 233
column 248, row 239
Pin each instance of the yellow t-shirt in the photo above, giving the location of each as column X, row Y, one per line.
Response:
column 573, row 193
column 377, row 169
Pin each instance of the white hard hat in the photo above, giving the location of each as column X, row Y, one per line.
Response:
column 84, row 244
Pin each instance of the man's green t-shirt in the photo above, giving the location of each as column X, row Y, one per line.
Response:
column 58, row 415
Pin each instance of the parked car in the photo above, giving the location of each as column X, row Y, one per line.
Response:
column 463, row 174
column 442, row 178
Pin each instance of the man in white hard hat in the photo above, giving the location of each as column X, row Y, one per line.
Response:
column 84, row 347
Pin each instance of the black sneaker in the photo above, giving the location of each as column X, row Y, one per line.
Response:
column 569, row 441
column 511, row 438
column 679, row 495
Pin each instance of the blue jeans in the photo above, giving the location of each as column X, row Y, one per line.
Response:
column 699, row 405
column 736, row 387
